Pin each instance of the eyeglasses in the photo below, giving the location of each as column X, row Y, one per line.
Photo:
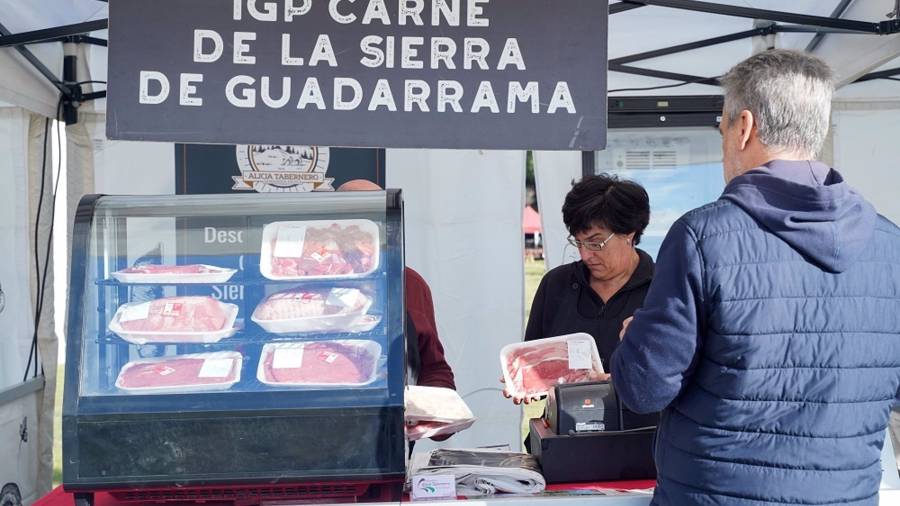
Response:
column 590, row 245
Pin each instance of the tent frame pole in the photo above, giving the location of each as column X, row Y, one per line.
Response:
column 879, row 28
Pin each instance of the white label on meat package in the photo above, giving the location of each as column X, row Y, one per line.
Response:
column 216, row 368
column 288, row 358
column 135, row 312
column 172, row 309
column 343, row 297
column 289, row 242
column 580, row 354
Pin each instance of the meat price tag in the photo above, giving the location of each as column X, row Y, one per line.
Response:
column 173, row 309
column 580, row 354
column 134, row 312
column 343, row 297
column 289, row 242
column 216, row 368
column 288, row 358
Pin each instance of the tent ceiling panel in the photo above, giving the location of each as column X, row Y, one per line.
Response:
column 852, row 56
column 19, row 16
column 22, row 85
column 706, row 62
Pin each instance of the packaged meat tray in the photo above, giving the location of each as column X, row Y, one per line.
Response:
column 305, row 250
column 326, row 310
column 340, row 363
column 181, row 373
column 435, row 411
column 422, row 430
column 435, row 404
column 175, row 320
column 532, row 368
column 155, row 273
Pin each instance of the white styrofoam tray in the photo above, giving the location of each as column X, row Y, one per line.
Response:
column 371, row 347
column 270, row 233
column 350, row 321
column 182, row 389
column 217, row 275
column 155, row 336
column 435, row 404
column 505, row 352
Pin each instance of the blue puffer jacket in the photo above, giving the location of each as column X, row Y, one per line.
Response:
column 771, row 336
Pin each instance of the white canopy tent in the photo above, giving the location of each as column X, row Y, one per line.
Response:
column 462, row 209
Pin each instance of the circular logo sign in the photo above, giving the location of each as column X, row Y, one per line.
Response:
column 282, row 168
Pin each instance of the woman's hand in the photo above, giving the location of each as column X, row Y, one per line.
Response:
column 625, row 327
column 517, row 400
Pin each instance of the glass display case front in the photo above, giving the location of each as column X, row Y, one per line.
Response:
column 235, row 338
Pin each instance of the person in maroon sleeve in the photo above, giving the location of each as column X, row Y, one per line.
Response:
column 428, row 366
column 433, row 369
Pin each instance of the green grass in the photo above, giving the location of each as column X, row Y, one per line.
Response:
column 534, row 271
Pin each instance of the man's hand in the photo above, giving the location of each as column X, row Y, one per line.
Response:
column 625, row 327
column 517, row 400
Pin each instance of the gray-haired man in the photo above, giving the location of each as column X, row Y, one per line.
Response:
column 770, row 336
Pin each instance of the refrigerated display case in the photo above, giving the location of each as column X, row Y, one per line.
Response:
column 228, row 341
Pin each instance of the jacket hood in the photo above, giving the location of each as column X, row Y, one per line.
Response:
column 809, row 206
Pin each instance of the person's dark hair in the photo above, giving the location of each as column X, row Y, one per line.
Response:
column 620, row 205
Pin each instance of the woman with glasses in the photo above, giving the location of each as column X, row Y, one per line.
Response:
column 605, row 216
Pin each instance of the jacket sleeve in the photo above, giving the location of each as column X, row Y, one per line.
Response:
column 434, row 371
column 652, row 363
column 535, row 327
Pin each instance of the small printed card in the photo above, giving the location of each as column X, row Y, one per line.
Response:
column 216, row 368
column 343, row 297
column 288, row 358
column 580, row 354
column 435, row 486
column 134, row 312
column 289, row 242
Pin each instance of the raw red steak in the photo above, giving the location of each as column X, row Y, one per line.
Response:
column 298, row 303
column 322, row 363
column 179, row 314
column 177, row 372
column 330, row 251
column 536, row 370
column 169, row 269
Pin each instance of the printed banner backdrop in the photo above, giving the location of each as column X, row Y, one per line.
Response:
column 203, row 168
column 495, row 74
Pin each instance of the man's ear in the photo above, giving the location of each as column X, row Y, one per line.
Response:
column 748, row 125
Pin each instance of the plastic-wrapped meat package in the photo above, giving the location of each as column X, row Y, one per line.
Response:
column 175, row 319
column 299, row 310
column 435, row 411
column 532, row 368
column 156, row 273
column 319, row 249
column 319, row 363
column 182, row 373
column 435, row 404
column 422, row 430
